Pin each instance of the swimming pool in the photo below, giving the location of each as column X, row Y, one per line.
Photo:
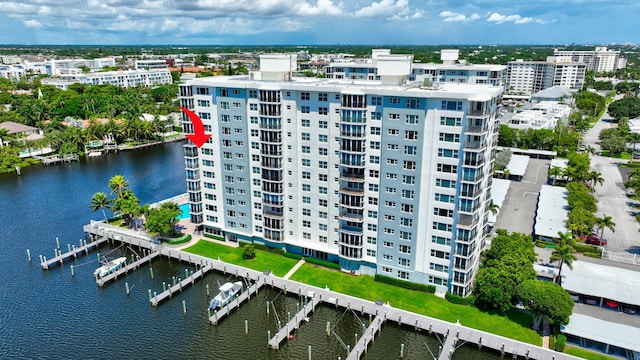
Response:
column 186, row 212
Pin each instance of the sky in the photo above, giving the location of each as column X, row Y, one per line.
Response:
column 318, row 22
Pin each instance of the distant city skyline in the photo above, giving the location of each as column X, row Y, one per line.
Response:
column 318, row 22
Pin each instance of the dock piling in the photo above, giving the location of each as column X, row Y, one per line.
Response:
column 57, row 243
column 184, row 307
column 246, row 327
column 126, row 287
column 28, row 255
column 401, row 351
column 72, row 273
column 151, row 271
column 208, row 292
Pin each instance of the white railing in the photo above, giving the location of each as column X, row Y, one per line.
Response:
column 625, row 258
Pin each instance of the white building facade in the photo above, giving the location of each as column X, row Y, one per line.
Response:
column 378, row 176
column 529, row 77
column 125, row 78
column 599, row 60
column 56, row 67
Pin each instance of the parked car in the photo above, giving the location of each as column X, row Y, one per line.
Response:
column 594, row 240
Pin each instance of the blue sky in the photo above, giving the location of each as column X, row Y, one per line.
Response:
column 319, row 22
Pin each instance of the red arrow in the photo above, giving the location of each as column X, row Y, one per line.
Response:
column 198, row 138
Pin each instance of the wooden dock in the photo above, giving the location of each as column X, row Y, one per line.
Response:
column 293, row 324
column 235, row 303
column 75, row 251
column 190, row 280
column 134, row 265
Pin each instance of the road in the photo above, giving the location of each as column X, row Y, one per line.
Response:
column 611, row 196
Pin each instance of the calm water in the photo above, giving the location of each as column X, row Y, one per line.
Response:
column 51, row 315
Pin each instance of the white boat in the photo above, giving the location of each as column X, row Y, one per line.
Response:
column 109, row 267
column 228, row 291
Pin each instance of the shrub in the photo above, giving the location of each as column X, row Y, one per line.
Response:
column 406, row 284
column 215, row 237
column 292, row 255
column 593, row 255
column 455, row 299
column 561, row 341
column 248, row 251
column 585, row 249
column 324, row 263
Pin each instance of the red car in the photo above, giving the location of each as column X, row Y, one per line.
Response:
column 594, row 240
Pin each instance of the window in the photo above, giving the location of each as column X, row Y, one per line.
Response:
column 407, row 208
column 306, row 162
column 205, row 103
column 389, row 217
column 306, row 149
column 404, row 262
column 442, row 227
column 410, row 150
column 306, row 187
column 322, row 227
column 408, row 179
column 372, row 214
column 376, row 115
column 372, row 227
column 322, row 215
column 322, row 177
column 374, row 159
column 375, row 145
column 411, row 119
column 306, row 212
column 392, row 161
column 394, row 116
column 322, row 97
column 371, row 240
column 447, row 168
column 322, row 203
column 446, row 183
column 305, row 122
column 409, row 165
column 440, row 240
column 371, row 252
column 451, row 105
column 392, row 131
column 406, row 222
column 389, row 204
column 306, row 223
column 403, row 275
column 448, row 153
column 323, row 110
column 405, row 235
column 323, row 138
column 443, row 212
column 411, row 135
column 390, row 190
column 376, row 100
column 445, row 198
column 322, row 164
column 322, row 124
column 375, row 130
column 373, row 201
column 407, row 194
column 373, row 187
column 392, row 146
column 305, row 109
column 387, row 257
column 306, row 136
column 304, row 95
column 413, row 103
column 323, row 152
column 374, row 174
column 322, row 190
column 450, row 121
column 388, row 244
column 306, row 200
column 392, row 176
column 224, row 105
column 446, row 137
column 440, row 254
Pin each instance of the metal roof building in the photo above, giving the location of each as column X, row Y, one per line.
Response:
column 552, row 212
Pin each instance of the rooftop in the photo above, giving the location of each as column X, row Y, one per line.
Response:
column 552, row 212
column 15, row 128
column 518, row 165
column 612, row 283
column 623, row 336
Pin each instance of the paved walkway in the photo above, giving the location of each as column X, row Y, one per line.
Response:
column 294, row 269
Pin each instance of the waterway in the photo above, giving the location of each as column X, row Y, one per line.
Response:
column 52, row 315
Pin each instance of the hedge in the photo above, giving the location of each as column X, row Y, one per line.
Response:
column 406, row 284
column 560, row 343
column 180, row 241
column 583, row 248
column 292, row 255
column 455, row 299
column 215, row 237
column 324, row 263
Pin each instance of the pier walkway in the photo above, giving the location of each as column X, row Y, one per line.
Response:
column 456, row 334
column 368, row 336
column 190, row 280
column 134, row 265
column 293, row 324
column 225, row 310
column 75, row 251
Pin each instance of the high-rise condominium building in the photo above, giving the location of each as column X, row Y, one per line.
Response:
column 599, row 60
column 529, row 77
column 381, row 176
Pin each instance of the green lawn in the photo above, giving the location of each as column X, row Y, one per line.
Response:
column 587, row 354
column 515, row 325
column 622, row 155
column 279, row 265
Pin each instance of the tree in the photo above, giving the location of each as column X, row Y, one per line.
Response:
column 605, row 222
column 594, row 178
column 564, row 255
column 633, row 138
column 118, row 184
column 162, row 220
column 566, row 238
column 128, row 205
column 99, row 200
column 554, row 173
column 248, row 251
column 545, row 299
column 493, row 207
column 628, row 107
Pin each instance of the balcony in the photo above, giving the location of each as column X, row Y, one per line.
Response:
column 351, row 217
column 271, row 126
column 476, row 130
column 190, row 151
column 273, row 235
column 353, row 134
column 350, row 230
column 352, row 191
column 350, row 253
column 475, row 145
column 478, row 113
column 191, row 164
column 468, row 221
column 353, row 162
column 273, row 215
column 351, row 177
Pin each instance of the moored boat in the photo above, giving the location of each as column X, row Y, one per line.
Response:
column 109, row 267
column 228, row 291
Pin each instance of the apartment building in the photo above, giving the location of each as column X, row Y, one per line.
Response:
column 450, row 70
column 55, row 67
column 149, row 64
column 125, row 78
column 381, row 176
column 599, row 60
column 529, row 77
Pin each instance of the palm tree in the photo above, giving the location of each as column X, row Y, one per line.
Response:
column 565, row 238
column 594, row 178
column 493, row 207
column 605, row 222
column 554, row 173
column 633, row 138
column 99, row 200
column 118, row 184
column 564, row 254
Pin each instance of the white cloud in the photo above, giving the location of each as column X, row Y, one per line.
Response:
column 384, row 8
column 322, row 7
column 516, row 19
column 32, row 23
column 450, row 16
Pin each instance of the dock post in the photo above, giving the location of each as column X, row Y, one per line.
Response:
column 268, row 336
column 184, row 307
column 75, row 253
column 288, row 316
column 98, row 256
column 480, row 343
column 186, row 273
column 401, row 351
column 45, row 263
column 126, row 287
column 208, row 313
column 207, row 289
column 246, row 327
column 60, row 255
column 267, row 307
column 69, row 247
column 72, row 273
column 164, row 286
column 309, row 351
column 180, row 282
column 28, row 255
column 151, row 271
column 57, row 243
column 173, row 280
column 155, row 298
column 328, row 328
column 149, row 295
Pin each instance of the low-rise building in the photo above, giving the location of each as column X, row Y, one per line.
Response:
column 125, row 78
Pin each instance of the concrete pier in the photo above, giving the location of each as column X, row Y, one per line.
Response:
column 156, row 300
column 114, row 275
column 368, row 336
column 293, row 324
column 73, row 253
